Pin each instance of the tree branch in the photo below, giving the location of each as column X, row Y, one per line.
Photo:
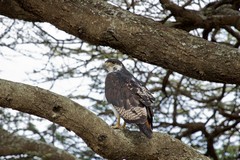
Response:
column 11, row 8
column 109, row 143
column 100, row 23
column 14, row 145
column 207, row 18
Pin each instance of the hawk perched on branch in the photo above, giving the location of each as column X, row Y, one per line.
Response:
column 130, row 99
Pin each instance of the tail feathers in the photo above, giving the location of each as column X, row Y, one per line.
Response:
column 146, row 129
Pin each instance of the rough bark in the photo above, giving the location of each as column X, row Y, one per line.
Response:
column 100, row 23
column 213, row 15
column 107, row 142
column 11, row 144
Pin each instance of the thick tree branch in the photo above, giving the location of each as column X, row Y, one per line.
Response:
column 207, row 18
column 100, row 23
column 11, row 144
column 109, row 143
column 11, row 8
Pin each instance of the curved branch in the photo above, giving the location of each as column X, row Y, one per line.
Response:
column 100, row 23
column 109, row 143
column 14, row 145
column 11, row 8
column 207, row 18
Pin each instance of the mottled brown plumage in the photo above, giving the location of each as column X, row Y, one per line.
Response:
column 129, row 97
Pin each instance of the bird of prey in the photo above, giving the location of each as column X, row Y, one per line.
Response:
column 130, row 99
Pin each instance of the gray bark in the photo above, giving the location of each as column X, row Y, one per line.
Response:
column 100, row 23
column 102, row 139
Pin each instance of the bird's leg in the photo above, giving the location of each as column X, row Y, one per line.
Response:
column 124, row 125
column 118, row 125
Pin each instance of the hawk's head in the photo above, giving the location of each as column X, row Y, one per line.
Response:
column 113, row 65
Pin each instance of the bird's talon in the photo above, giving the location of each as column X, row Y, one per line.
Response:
column 119, row 127
column 115, row 127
